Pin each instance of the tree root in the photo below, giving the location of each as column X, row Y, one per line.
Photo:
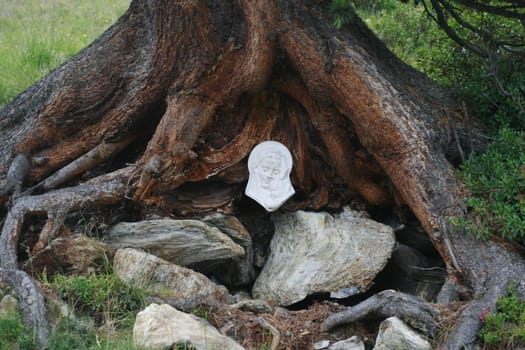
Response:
column 31, row 301
column 276, row 336
column 417, row 313
column 56, row 205
column 96, row 156
column 15, row 175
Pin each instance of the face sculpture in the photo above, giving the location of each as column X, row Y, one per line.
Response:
column 270, row 164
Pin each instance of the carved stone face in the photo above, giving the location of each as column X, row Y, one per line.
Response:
column 270, row 164
column 269, row 171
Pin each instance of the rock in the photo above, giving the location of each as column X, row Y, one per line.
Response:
column 321, row 344
column 395, row 334
column 183, row 286
column 237, row 271
column 162, row 326
column 182, row 242
column 316, row 253
column 75, row 254
column 257, row 306
column 352, row 343
column 8, row 306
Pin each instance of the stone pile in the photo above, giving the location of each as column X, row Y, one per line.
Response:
column 185, row 264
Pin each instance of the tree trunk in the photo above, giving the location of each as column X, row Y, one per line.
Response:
column 180, row 92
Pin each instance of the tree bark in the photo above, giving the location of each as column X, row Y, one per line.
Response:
column 177, row 93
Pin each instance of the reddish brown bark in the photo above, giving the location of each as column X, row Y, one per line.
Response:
column 197, row 84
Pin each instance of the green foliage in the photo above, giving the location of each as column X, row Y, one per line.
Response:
column 103, row 295
column 507, row 325
column 13, row 334
column 496, row 180
column 493, row 88
column 341, row 11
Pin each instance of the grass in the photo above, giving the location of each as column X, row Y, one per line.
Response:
column 37, row 36
column 13, row 334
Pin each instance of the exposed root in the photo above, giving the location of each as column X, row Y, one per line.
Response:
column 276, row 336
column 31, row 301
column 56, row 204
column 96, row 156
column 15, row 175
column 417, row 313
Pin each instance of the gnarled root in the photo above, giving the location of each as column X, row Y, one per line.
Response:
column 56, row 205
column 419, row 314
column 31, row 301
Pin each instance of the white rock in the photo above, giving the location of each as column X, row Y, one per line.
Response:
column 317, row 253
column 162, row 326
column 183, row 242
column 352, row 343
column 175, row 282
column 321, row 344
column 394, row 334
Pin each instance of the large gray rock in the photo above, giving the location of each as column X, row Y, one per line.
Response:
column 179, row 284
column 183, row 242
column 318, row 253
column 162, row 327
column 394, row 334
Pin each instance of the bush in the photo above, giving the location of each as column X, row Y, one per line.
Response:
column 507, row 325
column 496, row 180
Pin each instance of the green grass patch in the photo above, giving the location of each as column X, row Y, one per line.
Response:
column 104, row 297
column 36, row 36
column 13, row 334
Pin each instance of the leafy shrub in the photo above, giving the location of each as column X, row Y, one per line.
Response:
column 507, row 325
column 496, row 180
column 103, row 295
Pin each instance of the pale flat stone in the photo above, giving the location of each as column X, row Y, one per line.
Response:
column 162, row 326
column 352, row 343
column 318, row 253
column 183, row 242
column 394, row 334
column 160, row 276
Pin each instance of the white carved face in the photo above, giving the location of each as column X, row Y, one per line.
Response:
column 270, row 164
column 269, row 172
